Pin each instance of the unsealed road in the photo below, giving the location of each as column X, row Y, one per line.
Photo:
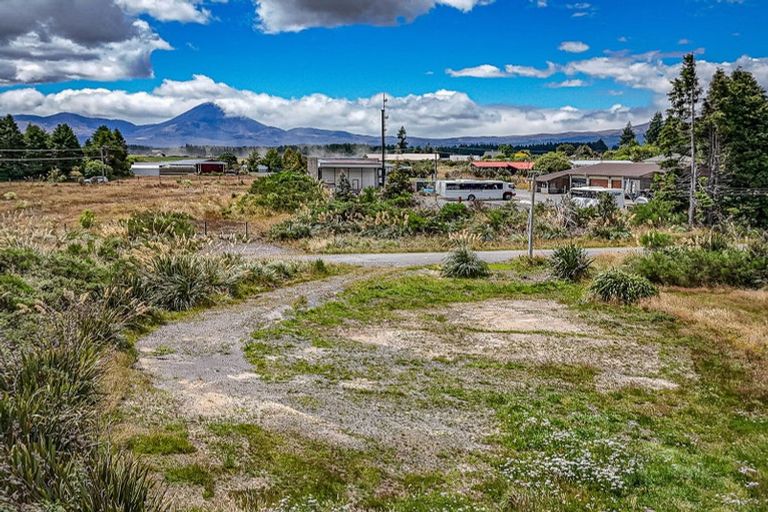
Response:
column 403, row 259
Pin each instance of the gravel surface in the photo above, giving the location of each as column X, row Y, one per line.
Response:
column 403, row 259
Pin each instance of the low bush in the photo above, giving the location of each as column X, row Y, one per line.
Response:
column 656, row 213
column 19, row 259
column 621, row 287
column 695, row 266
column 87, row 219
column 15, row 292
column 156, row 224
column 570, row 262
column 655, row 240
column 464, row 263
column 285, row 191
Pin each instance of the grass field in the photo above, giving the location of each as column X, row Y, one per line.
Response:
column 201, row 197
column 415, row 392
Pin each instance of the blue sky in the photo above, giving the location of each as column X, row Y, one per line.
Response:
column 454, row 67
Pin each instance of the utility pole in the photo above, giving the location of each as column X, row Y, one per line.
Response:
column 530, row 213
column 692, row 199
column 383, row 139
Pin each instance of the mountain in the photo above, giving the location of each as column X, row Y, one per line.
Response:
column 208, row 125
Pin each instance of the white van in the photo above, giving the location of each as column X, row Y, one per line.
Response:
column 585, row 197
column 475, row 190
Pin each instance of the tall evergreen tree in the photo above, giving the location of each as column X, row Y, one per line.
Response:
column 67, row 148
column 742, row 124
column 110, row 146
column 654, row 129
column 628, row 137
column 36, row 140
column 11, row 139
column 402, row 140
column 683, row 99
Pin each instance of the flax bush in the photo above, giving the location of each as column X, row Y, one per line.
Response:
column 464, row 263
column 570, row 262
column 621, row 287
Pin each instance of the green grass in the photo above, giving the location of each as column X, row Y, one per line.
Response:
column 702, row 446
column 172, row 440
column 193, row 474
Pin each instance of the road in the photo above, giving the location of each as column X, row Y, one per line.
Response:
column 416, row 259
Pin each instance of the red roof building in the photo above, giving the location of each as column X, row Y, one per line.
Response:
column 511, row 166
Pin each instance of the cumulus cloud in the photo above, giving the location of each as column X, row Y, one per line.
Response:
column 573, row 47
column 185, row 11
column 490, row 71
column 276, row 16
column 56, row 40
column 647, row 71
column 442, row 113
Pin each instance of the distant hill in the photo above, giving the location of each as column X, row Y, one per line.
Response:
column 208, row 125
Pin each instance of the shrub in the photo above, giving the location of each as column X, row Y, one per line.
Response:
column 570, row 262
column 694, row 266
column 655, row 240
column 15, row 292
column 87, row 219
column 464, row 263
column 294, row 229
column 180, row 281
column 622, row 287
column 285, row 191
column 10, row 196
column 153, row 224
column 656, row 212
column 19, row 259
column 451, row 212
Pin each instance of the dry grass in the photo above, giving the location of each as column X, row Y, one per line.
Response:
column 201, row 197
column 736, row 318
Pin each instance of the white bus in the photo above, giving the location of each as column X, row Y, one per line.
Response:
column 585, row 197
column 475, row 190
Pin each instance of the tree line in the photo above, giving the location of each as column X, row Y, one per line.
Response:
column 716, row 148
column 37, row 154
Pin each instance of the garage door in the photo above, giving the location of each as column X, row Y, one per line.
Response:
column 598, row 182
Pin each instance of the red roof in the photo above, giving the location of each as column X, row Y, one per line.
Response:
column 520, row 166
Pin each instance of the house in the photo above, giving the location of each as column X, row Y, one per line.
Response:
column 361, row 172
column 631, row 177
column 178, row 167
column 510, row 167
column 405, row 157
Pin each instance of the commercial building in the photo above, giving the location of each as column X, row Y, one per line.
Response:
column 178, row 167
column 631, row 177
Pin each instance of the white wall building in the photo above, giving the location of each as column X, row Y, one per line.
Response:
column 361, row 172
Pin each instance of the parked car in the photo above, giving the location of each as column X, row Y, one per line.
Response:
column 96, row 180
column 585, row 197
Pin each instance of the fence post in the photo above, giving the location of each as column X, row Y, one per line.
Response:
column 205, row 227
column 246, row 230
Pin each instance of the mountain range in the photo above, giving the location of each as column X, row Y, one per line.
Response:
column 208, row 125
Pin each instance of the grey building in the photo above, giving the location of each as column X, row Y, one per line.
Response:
column 361, row 172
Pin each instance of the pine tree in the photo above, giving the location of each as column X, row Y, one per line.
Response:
column 272, row 160
column 743, row 131
column 10, row 139
column 36, row 139
column 628, row 137
column 402, row 140
column 654, row 129
column 344, row 189
column 67, row 147
column 683, row 99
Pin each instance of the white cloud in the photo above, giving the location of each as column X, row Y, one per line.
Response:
column 186, row 11
column 490, row 71
column 275, row 16
column 573, row 47
column 567, row 84
column 647, row 71
column 57, row 40
column 442, row 113
column 482, row 71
